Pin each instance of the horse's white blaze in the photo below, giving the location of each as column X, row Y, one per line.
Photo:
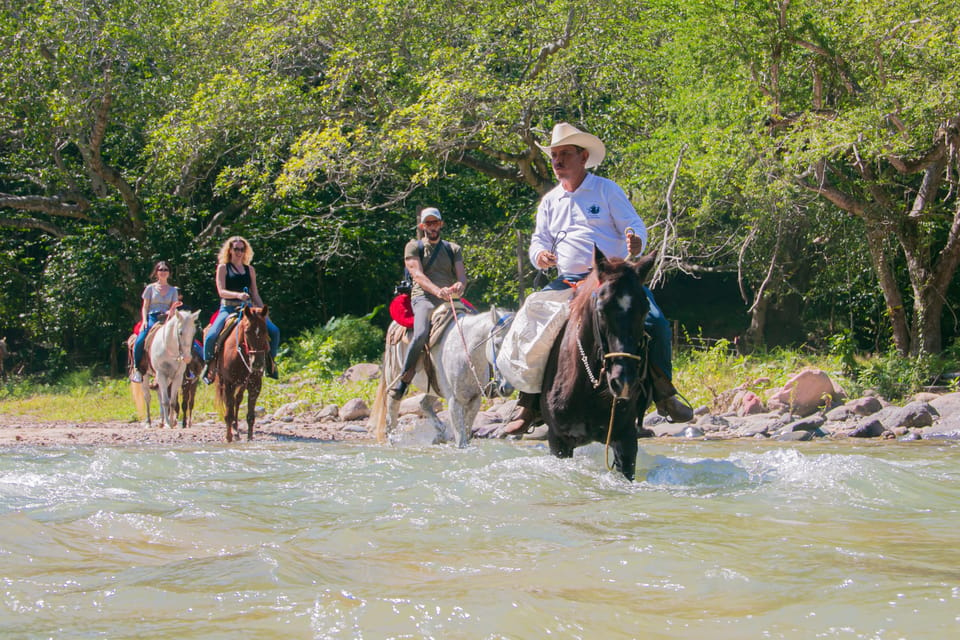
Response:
column 625, row 302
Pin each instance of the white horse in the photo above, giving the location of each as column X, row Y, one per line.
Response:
column 169, row 354
column 464, row 360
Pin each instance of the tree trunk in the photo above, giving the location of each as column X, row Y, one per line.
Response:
column 876, row 239
column 753, row 337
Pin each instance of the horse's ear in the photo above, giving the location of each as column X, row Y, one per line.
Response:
column 599, row 260
column 195, row 315
column 644, row 264
column 263, row 311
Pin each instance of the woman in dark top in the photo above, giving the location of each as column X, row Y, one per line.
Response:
column 236, row 284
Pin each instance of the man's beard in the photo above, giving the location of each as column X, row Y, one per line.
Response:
column 432, row 234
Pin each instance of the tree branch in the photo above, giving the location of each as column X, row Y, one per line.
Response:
column 33, row 223
column 551, row 48
column 54, row 206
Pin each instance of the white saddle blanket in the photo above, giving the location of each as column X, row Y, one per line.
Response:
column 523, row 356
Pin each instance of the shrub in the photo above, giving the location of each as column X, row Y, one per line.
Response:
column 329, row 349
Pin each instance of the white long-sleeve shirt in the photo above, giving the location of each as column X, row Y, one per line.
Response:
column 597, row 213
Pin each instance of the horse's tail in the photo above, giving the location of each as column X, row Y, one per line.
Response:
column 220, row 393
column 378, row 414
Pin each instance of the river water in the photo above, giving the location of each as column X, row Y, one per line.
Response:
column 302, row 540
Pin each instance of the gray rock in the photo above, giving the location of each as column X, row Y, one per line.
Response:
column 329, row 413
column 865, row 406
column 794, row 436
column 712, row 423
column 841, row 413
column 947, row 404
column 947, row 427
column 809, row 424
column 669, row 429
column 752, row 428
column 692, row 432
column 292, row 408
column 354, row 428
column 868, row 428
column 915, row 414
column 355, row 409
column 653, row 419
column 360, row 372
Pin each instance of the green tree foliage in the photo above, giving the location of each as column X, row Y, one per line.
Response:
column 788, row 142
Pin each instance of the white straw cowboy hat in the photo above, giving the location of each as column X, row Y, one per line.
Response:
column 565, row 133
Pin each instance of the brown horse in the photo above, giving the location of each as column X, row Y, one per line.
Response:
column 596, row 380
column 188, row 392
column 240, row 361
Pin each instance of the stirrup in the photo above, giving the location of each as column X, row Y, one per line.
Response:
column 399, row 390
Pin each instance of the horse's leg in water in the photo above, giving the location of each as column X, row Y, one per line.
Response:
column 625, row 455
column 462, row 415
column 253, row 391
column 237, row 404
column 427, row 403
column 229, row 409
column 145, row 390
column 163, row 398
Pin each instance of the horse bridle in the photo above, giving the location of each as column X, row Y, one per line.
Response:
column 602, row 347
column 503, row 322
column 243, row 347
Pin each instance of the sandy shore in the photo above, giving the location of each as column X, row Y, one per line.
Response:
column 25, row 430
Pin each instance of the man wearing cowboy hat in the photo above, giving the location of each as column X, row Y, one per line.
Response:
column 438, row 275
column 583, row 211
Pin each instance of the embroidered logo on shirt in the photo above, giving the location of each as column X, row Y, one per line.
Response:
column 593, row 211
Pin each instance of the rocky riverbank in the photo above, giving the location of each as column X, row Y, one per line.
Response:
column 809, row 406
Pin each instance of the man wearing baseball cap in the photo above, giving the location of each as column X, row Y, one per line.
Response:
column 438, row 275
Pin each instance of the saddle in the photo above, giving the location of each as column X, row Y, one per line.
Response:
column 146, row 346
column 227, row 326
column 441, row 318
column 439, row 321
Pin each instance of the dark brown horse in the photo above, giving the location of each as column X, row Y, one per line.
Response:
column 596, row 380
column 188, row 392
column 241, row 360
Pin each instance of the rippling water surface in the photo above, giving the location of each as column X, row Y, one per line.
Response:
column 297, row 540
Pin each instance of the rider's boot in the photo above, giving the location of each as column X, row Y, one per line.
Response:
column 272, row 370
column 400, row 388
column 136, row 376
column 523, row 416
column 668, row 401
column 209, row 372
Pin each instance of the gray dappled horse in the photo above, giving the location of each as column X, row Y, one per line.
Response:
column 168, row 356
column 463, row 365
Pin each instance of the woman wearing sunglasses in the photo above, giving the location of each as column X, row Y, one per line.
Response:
column 160, row 300
column 236, row 285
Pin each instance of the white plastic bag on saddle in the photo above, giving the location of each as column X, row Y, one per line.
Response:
column 523, row 356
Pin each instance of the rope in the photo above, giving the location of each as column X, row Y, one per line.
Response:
column 606, row 447
column 466, row 349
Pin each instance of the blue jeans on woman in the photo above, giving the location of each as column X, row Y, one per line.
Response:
column 138, row 346
column 210, row 342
